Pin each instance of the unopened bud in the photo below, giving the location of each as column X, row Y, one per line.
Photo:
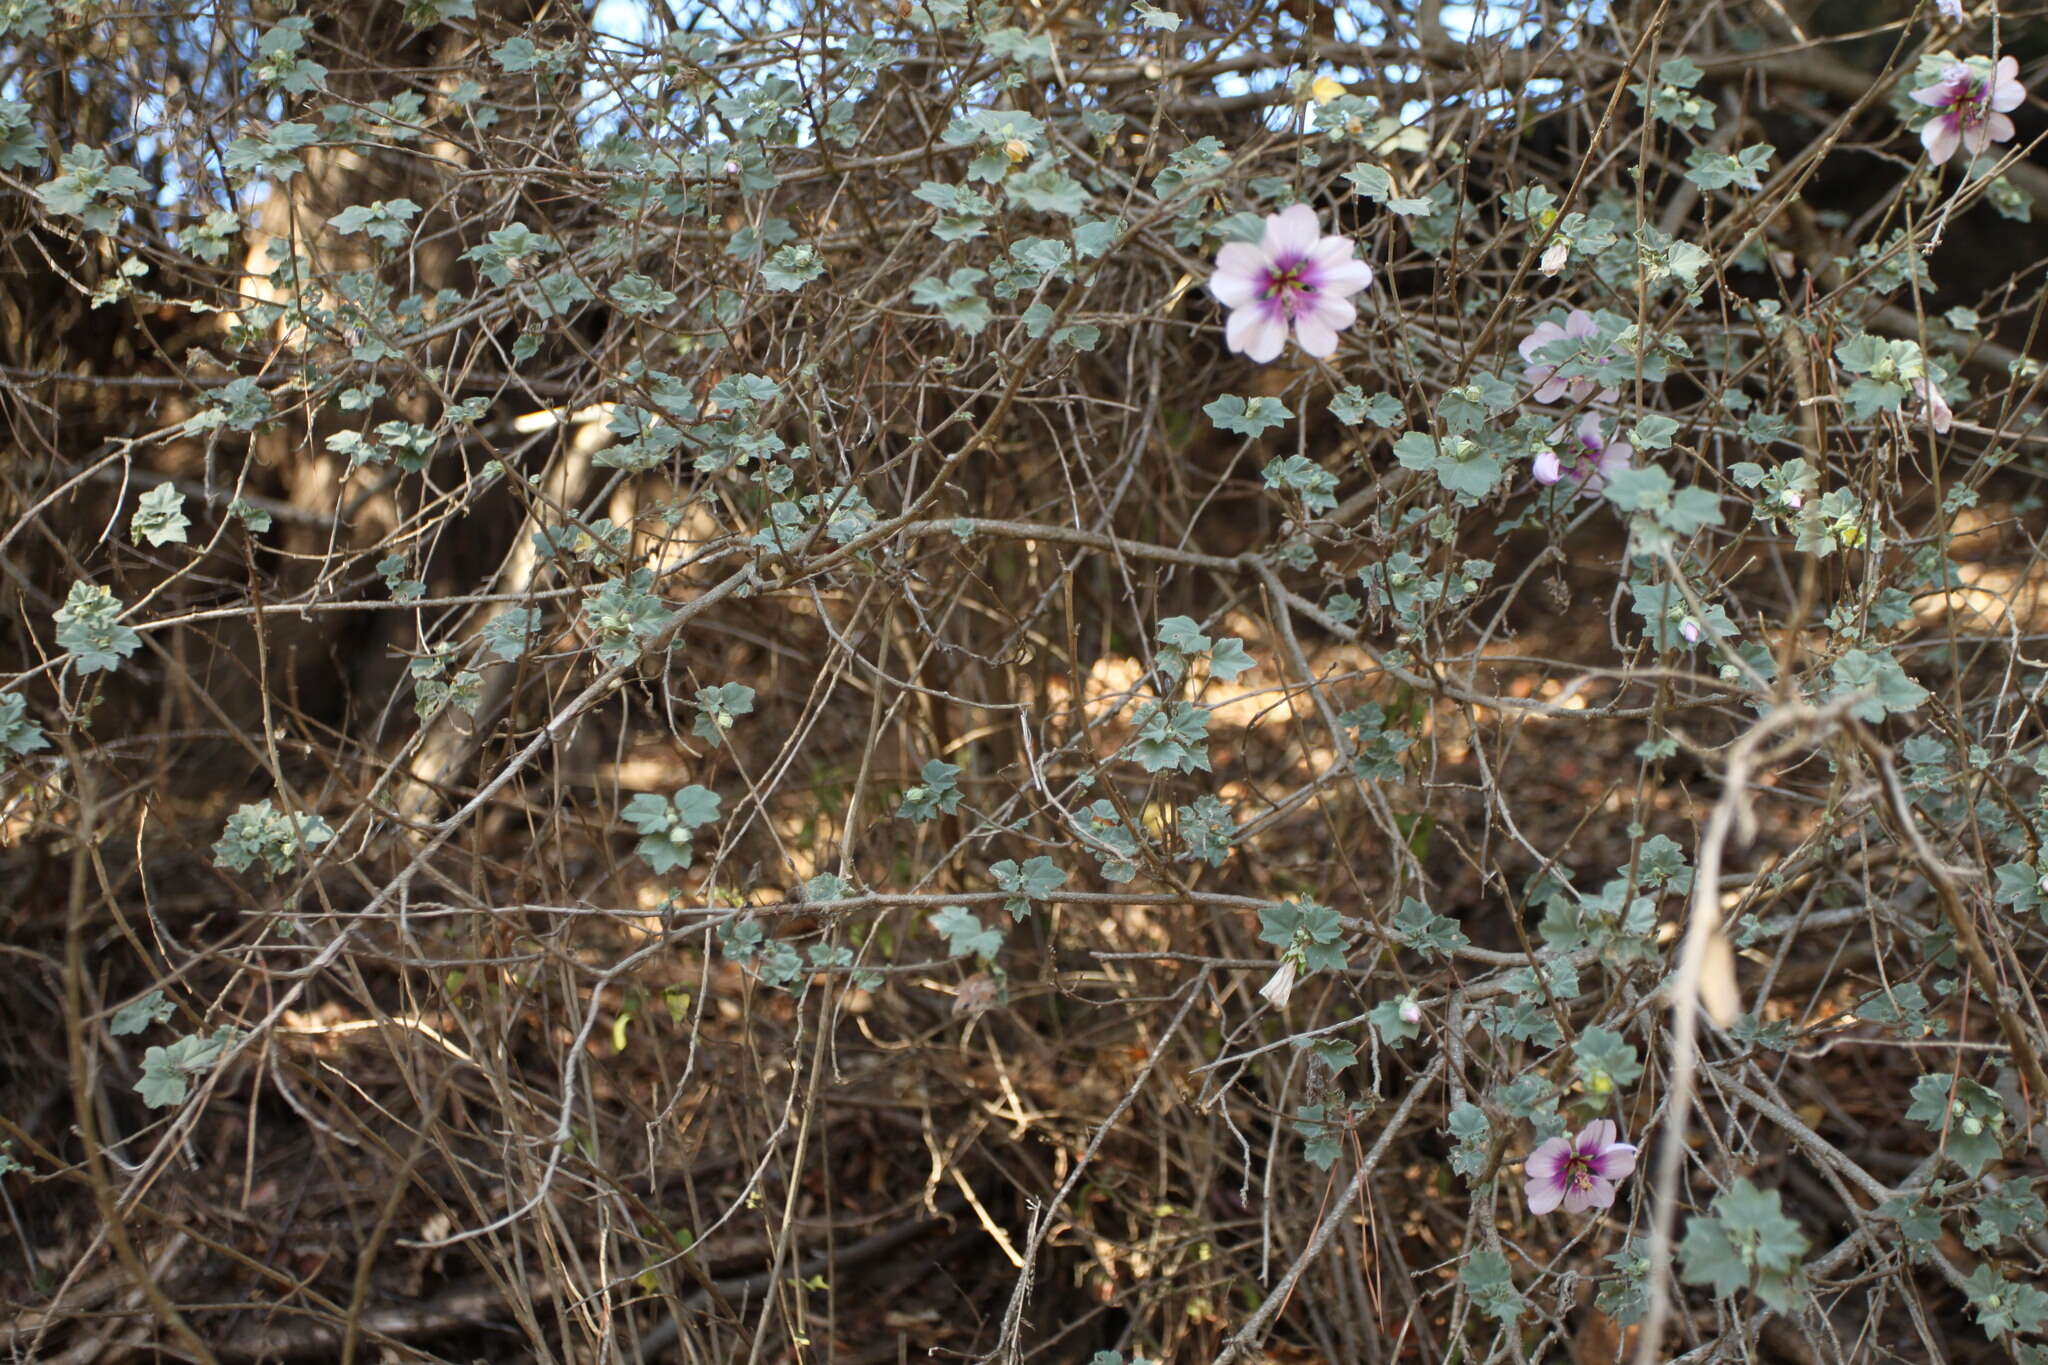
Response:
column 1554, row 257
column 1016, row 149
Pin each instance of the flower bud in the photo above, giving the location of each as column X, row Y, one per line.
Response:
column 1554, row 257
column 1016, row 149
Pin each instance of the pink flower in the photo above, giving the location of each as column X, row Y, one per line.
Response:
column 1951, row 10
column 1580, row 326
column 1974, row 108
column 1597, row 459
column 1939, row 414
column 1295, row 277
column 1690, row 629
column 1578, row 1173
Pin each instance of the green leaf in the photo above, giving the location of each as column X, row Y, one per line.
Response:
column 507, row 634
column 160, row 517
column 792, row 268
column 1386, row 1018
column 1247, row 418
column 1038, row 878
column 1605, row 1060
column 19, row 735
column 957, row 298
column 1229, row 659
column 1373, row 182
column 137, row 1015
column 718, row 707
column 1351, row 407
column 2005, row 1306
column 1491, row 1284
column 935, row 793
column 1653, row 432
column 21, row 146
column 273, row 152
column 1425, row 930
column 1460, row 466
column 1889, row 690
column 1468, row 1124
column 966, row 935
column 383, row 220
column 166, row 1070
column 90, row 187
column 89, row 628
column 1167, row 20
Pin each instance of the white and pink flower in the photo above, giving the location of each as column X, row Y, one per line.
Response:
column 1593, row 458
column 1578, row 1173
column 1973, row 108
column 1295, row 279
column 1550, row 386
column 1939, row 415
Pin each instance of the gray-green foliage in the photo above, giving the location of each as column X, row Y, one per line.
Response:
column 259, row 835
column 668, row 825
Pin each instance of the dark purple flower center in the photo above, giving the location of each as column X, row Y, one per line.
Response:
column 1287, row 285
column 1578, row 1173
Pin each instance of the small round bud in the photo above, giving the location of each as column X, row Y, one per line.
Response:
column 1016, row 149
column 1972, row 1124
column 724, row 720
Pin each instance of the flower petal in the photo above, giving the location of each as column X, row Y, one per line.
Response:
column 1258, row 332
column 1546, row 468
column 1316, row 336
column 1581, row 324
column 1595, row 1136
column 1240, row 277
column 1544, row 1195
column 1346, row 279
column 1543, row 334
column 1941, row 138
column 1616, row 1163
column 1589, row 431
column 1575, row 1201
column 1998, row 128
column 1599, row 1195
column 1547, row 1162
column 1329, row 310
column 1291, row 235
